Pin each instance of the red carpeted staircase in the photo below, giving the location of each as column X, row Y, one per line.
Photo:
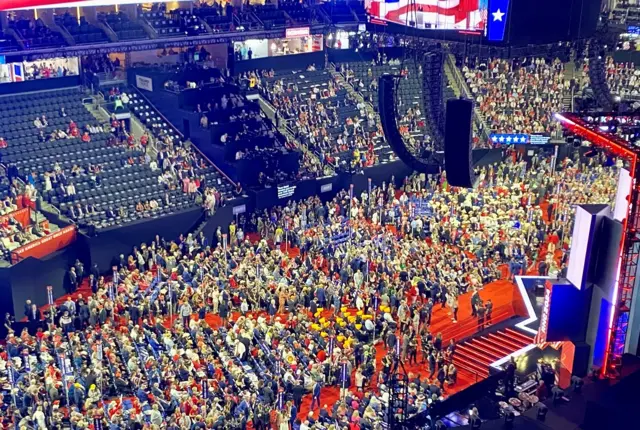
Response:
column 476, row 355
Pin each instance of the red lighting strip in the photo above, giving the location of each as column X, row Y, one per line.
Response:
column 620, row 148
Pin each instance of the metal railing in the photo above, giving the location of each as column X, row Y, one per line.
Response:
column 182, row 136
column 469, row 326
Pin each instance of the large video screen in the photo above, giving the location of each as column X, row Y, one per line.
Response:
column 49, row 4
column 470, row 15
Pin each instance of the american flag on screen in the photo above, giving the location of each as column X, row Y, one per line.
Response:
column 433, row 14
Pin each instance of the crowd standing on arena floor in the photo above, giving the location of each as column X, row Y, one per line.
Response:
column 258, row 327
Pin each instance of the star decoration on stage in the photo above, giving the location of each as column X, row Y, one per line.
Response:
column 497, row 15
column 509, row 138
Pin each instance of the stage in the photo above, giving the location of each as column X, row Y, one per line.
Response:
column 602, row 404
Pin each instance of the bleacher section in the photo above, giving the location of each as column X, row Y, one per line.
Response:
column 270, row 16
column 632, row 15
column 214, row 17
column 518, row 96
column 301, row 14
column 179, row 22
column 364, row 78
column 151, row 119
column 82, row 32
column 344, row 132
column 124, row 28
column 119, row 186
column 36, row 34
column 366, row 75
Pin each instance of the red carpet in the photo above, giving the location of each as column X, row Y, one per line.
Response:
column 83, row 289
column 506, row 304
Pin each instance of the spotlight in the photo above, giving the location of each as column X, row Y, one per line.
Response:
column 542, row 412
column 508, row 419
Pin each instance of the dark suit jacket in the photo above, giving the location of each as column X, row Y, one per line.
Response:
column 34, row 317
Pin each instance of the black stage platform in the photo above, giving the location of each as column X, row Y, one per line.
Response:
column 602, row 405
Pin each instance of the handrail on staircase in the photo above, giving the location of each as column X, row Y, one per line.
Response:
column 182, row 136
column 467, row 324
column 477, row 376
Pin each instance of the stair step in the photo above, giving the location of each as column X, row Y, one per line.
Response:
column 520, row 342
column 474, row 355
column 475, row 373
column 490, row 352
column 490, row 344
column 470, row 365
column 513, row 345
column 519, row 335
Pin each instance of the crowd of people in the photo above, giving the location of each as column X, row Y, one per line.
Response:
column 518, row 96
column 216, row 332
column 328, row 120
column 181, row 166
column 249, row 135
column 623, row 79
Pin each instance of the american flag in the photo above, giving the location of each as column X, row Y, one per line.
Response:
column 444, row 14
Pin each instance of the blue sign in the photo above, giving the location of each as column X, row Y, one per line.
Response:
column 509, row 139
column 497, row 19
column 539, row 139
column 633, row 29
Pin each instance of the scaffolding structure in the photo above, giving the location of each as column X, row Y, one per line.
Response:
column 630, row 243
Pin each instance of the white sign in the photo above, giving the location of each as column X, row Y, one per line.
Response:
column 286, row 191
column 237, row 210
column 297, row 32
column 144, row 83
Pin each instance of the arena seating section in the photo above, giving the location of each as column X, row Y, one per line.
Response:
column 122, row 186
column 82, row 32
column 270, row 16
column 176, row 23
column 214, row 18
column 409, row 90
column 40, row 36
column 152, row 120
column 296, row 11
column 306, row 81
column 124, row 28
column 509, row 109
column 622, row 79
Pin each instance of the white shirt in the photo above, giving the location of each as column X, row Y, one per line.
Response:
column 39, row 417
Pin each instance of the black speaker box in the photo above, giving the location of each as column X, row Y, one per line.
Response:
column 457, row 143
